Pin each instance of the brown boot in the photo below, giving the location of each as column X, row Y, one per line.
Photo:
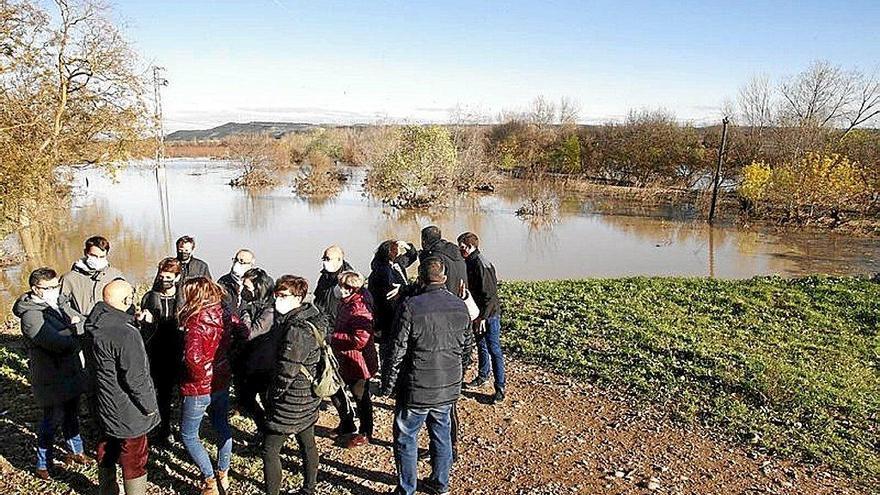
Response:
column 209, row 487
column 223, row 480
column 43, row 474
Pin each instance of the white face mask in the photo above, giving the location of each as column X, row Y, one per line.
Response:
column 239, row 269
column 332, row 266
column 96, row 263
column 50, row 296
column 286, row 304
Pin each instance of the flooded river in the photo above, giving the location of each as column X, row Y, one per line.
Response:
column 142, row 213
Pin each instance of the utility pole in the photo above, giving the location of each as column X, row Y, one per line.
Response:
column 158, row 82
column 717, row 181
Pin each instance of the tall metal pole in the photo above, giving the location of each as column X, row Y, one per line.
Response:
column 158, row 82
column 717, row 181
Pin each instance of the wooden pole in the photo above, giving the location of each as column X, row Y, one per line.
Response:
column 717, row 181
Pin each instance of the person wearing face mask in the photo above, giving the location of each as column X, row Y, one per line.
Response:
column 352, row 342
column 293, row 406
column 327, row 289
column 209, row 328
column 125, row 398
column 190, row 266
column 164, row 340
column 88, row 276
column 256, row 357
column 232, row 282
column 50, row 328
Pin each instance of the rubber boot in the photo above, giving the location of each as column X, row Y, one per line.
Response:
column 137, row 486
column 107, row 481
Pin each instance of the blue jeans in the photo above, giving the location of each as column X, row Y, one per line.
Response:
column 65, row 416
column 407, row 423
column 489, row 352
column 191, row 415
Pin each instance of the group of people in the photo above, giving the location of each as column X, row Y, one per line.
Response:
column 191, row 340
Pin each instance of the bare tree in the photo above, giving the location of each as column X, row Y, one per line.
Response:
column 542, row 111
column 818, row 96
column 569, row 111
column 865, row 104
column 755, row 103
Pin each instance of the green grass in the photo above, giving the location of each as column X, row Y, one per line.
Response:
column 790, row 365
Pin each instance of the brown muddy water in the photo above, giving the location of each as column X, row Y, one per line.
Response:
column 142, row 212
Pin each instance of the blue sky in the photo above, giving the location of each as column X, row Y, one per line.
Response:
column 335, row 61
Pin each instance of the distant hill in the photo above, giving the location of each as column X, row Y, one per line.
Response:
column 276, row 129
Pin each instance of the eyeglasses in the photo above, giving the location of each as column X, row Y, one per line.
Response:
column 243, row 262
column 50, row 287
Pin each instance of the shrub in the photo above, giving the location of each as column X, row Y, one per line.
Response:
column 321, row 176
column 417, row 169
column 815, row 186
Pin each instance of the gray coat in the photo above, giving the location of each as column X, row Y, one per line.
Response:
column 56, row 369
column 85, row 286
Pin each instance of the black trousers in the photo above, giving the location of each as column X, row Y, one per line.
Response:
column 362, row 409
column 272, row 460
column 253, row 385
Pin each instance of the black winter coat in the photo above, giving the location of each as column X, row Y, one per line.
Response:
column 292, row 406
column 56, row 370
column 431, row 347
column 483, row 284
column 163, row 338
column 232, row 299
column 117, row 362
column 383, row 277
column 456, row 270
column 192, row 269
column 325, row 299
column 259, row 351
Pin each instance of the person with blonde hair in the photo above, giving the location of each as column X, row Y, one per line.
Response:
column 353, row 344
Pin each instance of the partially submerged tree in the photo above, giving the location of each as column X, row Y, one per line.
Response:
column 71, row 92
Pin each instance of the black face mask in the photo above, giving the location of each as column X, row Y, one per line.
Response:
column 184, row 257
column 166, row 284
column 247, row 294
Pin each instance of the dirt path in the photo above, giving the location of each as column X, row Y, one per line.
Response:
column 552, row 436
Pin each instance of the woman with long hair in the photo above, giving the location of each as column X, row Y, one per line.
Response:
column 352, row 342
column 208, row 331
column 164, row 340
column 256, row 357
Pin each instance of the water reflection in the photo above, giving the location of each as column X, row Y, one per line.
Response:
column 144, row 210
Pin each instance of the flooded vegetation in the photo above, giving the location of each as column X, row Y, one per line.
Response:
column 142, row 211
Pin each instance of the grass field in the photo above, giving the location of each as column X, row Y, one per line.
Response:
column 792, row 366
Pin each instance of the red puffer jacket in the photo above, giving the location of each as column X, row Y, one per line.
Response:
column 352, row 340
column 206, row 339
